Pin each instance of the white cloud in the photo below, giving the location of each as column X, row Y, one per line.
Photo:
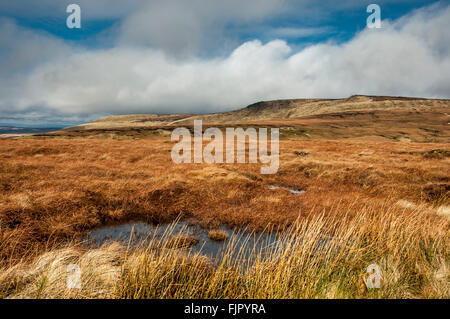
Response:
column 21, row 50
column 185, row 27
column 410, row 56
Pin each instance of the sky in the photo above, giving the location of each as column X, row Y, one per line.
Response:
column 202, row 56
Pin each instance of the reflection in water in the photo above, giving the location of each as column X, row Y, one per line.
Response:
column 238, row 245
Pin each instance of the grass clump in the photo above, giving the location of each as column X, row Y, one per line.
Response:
column 182, row 241
column 218, row 235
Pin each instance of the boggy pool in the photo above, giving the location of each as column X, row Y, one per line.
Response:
column 239, row 244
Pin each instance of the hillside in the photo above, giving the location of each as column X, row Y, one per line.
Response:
column 137, row 120
column 272, row 110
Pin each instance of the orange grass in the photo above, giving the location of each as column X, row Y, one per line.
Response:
column 53, row 191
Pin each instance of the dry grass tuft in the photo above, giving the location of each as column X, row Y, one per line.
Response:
column 182, row 241
column 218, row 235
column 47, row 276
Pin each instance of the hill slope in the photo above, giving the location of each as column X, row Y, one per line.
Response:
column 286, row 109
column 271, row 110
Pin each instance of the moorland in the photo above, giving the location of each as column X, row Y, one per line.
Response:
column 374, row 174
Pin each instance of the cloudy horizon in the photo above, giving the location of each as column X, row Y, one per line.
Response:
column 206, row 56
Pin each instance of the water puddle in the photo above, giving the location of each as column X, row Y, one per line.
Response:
column 238, row 245
column 240, row 248
column 291, row 190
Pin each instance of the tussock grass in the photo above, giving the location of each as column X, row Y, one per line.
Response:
column 182, row 241
column 47, row 276
column 218, row 235
column 320, row 257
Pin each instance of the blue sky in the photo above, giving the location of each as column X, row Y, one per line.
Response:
column 206, row 56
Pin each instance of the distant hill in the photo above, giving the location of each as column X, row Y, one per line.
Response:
column 134, row 120
column 25, row 130
column 272, row 110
